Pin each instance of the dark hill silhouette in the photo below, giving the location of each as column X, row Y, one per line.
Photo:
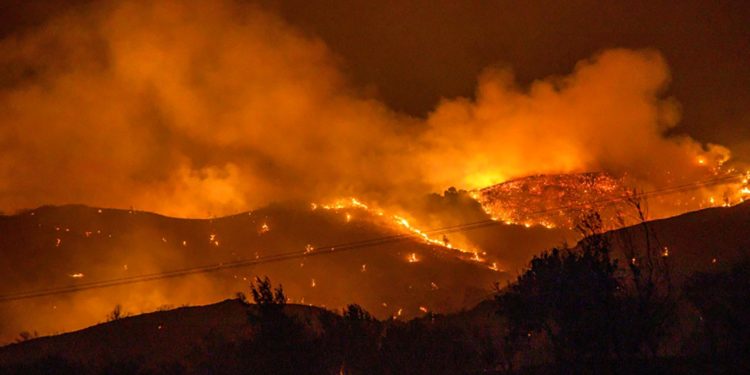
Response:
column 701, row 241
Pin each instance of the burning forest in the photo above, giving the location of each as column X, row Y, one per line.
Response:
column 411, row 167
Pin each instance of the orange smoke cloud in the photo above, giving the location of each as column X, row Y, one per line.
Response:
column 212, row 108
column 609, row 114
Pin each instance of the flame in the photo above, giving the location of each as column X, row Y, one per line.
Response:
column 76, row 275
column 401, row 223
column 309, row 249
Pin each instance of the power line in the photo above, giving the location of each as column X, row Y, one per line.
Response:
column 345, row 246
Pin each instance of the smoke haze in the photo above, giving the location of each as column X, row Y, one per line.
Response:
column 198, row 109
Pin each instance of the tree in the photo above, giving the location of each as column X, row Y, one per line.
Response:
column 647, row 300
column 358, row 336
column 281, row 343
column 568, row 296
column 588, row 308
column 115, row 314
column 723, row 301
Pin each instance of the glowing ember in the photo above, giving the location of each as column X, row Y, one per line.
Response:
column 413, row 258
column 76, row 275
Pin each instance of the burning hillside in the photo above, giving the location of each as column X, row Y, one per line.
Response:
column 554, row 200
column 324, row 255
column 561, row 200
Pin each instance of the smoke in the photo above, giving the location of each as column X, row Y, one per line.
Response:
column 609, row 114
column 197, row 109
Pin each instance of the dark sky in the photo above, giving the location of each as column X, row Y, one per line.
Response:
column 412, row 53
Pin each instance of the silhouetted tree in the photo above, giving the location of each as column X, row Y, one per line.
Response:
column 358, row 335
column 647, row 300
column 723, row 302
column 590, row 310
column 281, row 343
column 568, row 296
column 115, row 314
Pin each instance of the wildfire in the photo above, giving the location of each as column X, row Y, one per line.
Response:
column 264, row 228
column 309, row 249
column 403, row 224
column 560, row 200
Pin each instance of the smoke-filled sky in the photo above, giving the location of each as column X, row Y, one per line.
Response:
column 208, row 108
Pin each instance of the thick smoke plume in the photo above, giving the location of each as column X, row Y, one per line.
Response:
column 205, row 109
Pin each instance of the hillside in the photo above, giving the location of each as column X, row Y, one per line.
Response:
column 706, row 240
column 72, row 245
column 162, row 338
